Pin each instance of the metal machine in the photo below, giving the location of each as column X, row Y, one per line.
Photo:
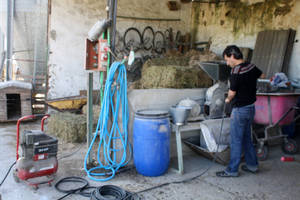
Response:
column 38, row 162
column 215, row 95
column 209, row 140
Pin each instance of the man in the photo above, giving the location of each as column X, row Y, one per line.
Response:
column 242, row 94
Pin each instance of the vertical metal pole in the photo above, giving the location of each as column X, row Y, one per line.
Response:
column 35, row 56
column 110, row 29
column 114, row 14
column 89, row 113
column 48, row 53
column 9, row 36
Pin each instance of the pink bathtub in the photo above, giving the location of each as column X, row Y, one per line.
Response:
column 278, row 104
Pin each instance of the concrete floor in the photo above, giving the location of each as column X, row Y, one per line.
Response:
column 276, row 179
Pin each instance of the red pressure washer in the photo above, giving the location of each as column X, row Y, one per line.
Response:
column 38, row 157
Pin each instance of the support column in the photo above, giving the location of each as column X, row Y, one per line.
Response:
column 89, row 114
column 9, row 36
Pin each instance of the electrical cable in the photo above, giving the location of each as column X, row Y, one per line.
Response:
column 87, row 191
column 73, row 179
column 121, row 170
column 7, row 173
column 71, row 154
column 115, row 89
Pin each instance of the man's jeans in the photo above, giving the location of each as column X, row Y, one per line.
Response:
column 240, row 133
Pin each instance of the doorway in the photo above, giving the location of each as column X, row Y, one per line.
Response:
column 13, row 105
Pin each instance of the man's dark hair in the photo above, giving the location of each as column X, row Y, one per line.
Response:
column 233, row 50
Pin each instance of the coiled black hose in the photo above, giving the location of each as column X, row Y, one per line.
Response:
column 72, row 179
column 108, row 192
column 105, row 192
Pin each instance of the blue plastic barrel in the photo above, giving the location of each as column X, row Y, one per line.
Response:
column 151, row 142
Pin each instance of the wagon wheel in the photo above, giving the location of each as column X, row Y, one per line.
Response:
column 177, row 39
column 132, row 39
column 262, row 152
column 289, row 146
column 159, row 42
column 148, row 38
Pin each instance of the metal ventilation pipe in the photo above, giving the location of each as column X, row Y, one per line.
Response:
column 9, row 36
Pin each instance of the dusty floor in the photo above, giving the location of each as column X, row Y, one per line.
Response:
column 276, row 179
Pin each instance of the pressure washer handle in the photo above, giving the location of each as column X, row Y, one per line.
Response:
column 45, row 116
column 43, row 119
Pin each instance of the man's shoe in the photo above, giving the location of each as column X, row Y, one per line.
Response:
column 246, row 169
column 224, row 174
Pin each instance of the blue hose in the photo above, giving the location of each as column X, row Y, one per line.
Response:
column 110, row 136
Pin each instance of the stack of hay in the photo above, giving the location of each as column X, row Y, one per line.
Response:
column 71, row 127
column 176, row 71
column 172, row 76
column 68, row 126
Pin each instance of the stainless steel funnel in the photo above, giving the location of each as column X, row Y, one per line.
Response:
column 180, row 114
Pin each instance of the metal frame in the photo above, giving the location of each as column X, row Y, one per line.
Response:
column 178, row 130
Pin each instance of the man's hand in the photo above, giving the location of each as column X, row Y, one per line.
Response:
column 230, row 96
column 263, row 76
column 227, row 100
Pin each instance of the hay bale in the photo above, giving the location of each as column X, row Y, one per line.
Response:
column 176, row 71
column 67, row 126
column 173, row 53
column 192, row 52
column 177, row 60
column 203, row 57
column 172, row 76
column 96, row 112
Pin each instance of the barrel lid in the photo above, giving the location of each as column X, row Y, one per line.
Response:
column 152, row 113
